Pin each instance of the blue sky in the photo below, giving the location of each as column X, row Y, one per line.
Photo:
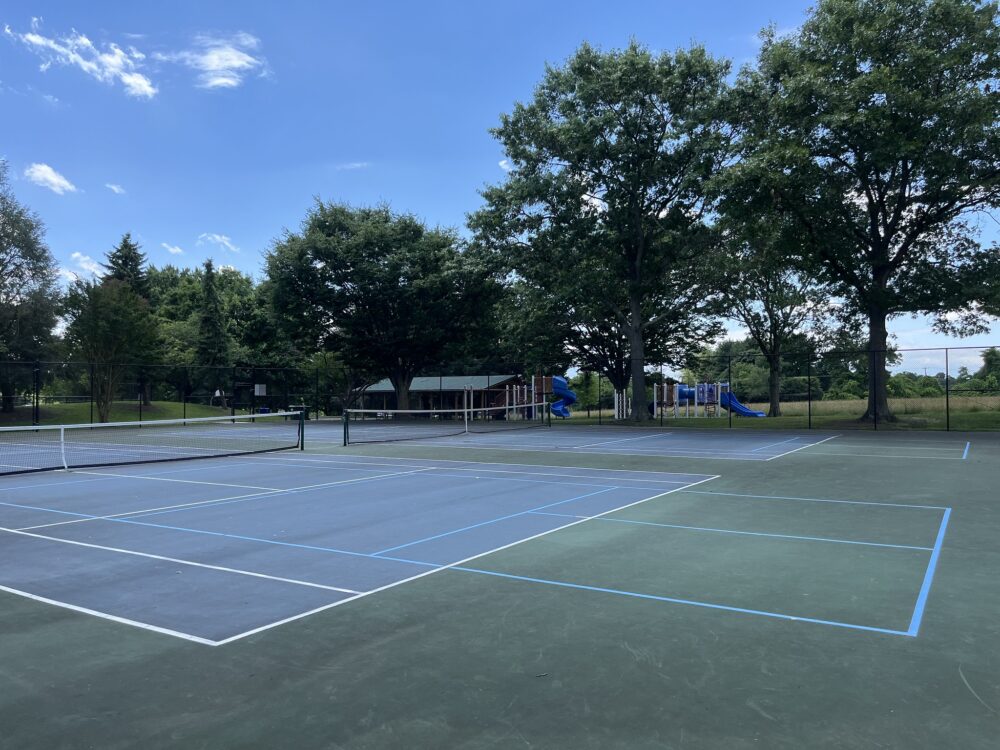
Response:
column 205, row 129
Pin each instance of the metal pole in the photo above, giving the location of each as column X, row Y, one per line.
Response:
column 316, row 393
column 809, row 390
column 947, row 392
column 874, row 387
column 657, row 406
column 36, row 396
column 598, row 398
column 730, row 409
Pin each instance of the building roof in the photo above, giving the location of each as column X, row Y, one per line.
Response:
column 448, row 383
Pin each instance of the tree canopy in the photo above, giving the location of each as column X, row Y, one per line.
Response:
column 605, row 204
column 876, row 129
column 389, row 294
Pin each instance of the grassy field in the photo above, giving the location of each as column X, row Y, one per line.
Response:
column 121, row 411
column 967, row 413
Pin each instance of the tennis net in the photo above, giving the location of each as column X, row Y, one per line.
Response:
column 27, row 449
column 390, row 425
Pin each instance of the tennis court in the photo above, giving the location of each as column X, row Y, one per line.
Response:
column 553, row 587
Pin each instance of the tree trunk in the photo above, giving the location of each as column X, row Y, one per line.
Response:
column 401, row 380
column 637, row 356
column 774, row 384
column 878, row 377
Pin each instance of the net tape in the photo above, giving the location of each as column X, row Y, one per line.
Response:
column 46, row 448
column 391, row 425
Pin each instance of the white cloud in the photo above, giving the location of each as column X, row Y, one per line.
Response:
column 352, row 165
column 68, row 275
column 87, row 264
column 221, row 62
column 115, row 188
column 505, row 165
column 172, row 249
column 217, row 239
column 108, row 64
column 45, row 176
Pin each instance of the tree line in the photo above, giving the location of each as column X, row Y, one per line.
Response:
column 816, row 194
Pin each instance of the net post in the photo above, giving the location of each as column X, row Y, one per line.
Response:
column 347, row 422
column 466, row 406
column 302, row 430
column 62, row 446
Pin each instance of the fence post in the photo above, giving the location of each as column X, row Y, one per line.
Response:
column 599, row 398
column 730, row 409
column 947, row 392
column 809, row 391
column 657, row 388
column 36, row 386
column 316, row 391
column 874, row 390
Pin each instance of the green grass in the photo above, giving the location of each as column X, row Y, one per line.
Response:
column 981, row 413
column 121, row 411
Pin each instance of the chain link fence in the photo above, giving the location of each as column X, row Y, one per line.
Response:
column 956, row 388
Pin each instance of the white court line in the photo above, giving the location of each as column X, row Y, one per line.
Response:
column 219, row 500
column 883, row 455
column 179, row 561
column 772, row 445
column 345, row 457
column 624, row 440
column 803, row 447
column 901, row 446
column 169, row 479
column 325, row 607
column 820, row 500
column 106, row 616
column 481, row 469
column 693, row 453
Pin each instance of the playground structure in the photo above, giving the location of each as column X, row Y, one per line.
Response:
column 566, row 397
column 700, row 400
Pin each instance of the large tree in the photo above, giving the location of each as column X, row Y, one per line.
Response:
column 28, row 297
column 127, row 263
column 605, row 200
column 109, row 326
column 876, row 128
column 388, row 294
column 762, row 289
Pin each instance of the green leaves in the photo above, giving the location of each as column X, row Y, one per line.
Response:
column 389, row 294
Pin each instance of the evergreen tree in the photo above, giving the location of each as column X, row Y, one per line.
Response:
column 126, row 262
column 212, row 348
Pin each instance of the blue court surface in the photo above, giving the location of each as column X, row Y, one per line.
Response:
column 737, row 445
column 215, row 550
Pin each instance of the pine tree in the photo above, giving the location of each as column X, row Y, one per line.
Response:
column 213, row 338
column 127, row 263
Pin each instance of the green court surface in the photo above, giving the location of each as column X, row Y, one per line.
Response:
column 843, row 594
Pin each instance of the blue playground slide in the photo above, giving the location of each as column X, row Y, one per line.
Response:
column 561, row 389
column 729, row 401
